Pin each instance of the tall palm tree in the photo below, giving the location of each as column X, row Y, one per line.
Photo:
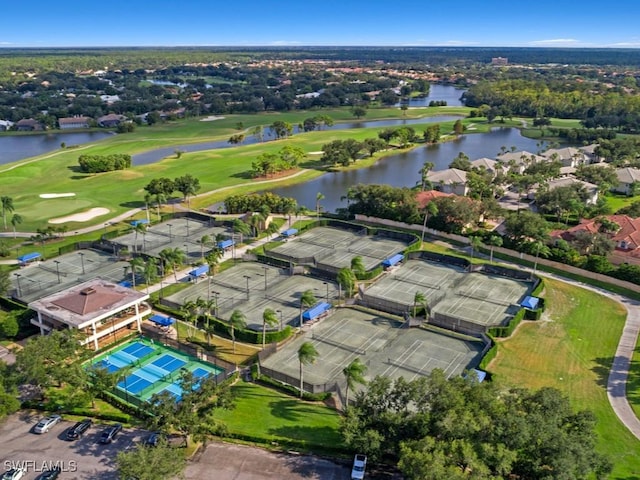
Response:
column 172, row 257
column 430, row 209
column 269, row 318
column 236, row 320
column 354, row 374
column 16, row 219
column 357, row 265
column 475, row 243
column 189, row 312
column 494, row 241
column 147, row 201
column 150, row 272
column 307, row 299
column 209, row 331
column 160, row 199
column 205, row 241
column 137, row 264
column 139, row 228
column 424, row 175
column 419, row 299
column 319, row 198
column 241, row 227
column 7, row 207
column 307, row 354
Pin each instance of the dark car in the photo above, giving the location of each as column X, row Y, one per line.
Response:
column 153, row 439
column 78, row 429
column 110, row 433
column 49, row 474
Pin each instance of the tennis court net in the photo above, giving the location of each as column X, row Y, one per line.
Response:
column 420, row 284
column 404, row 366
column 52, row 270
column 335, row 343
column 484, row 299
column 241, row 285
column 316, row 243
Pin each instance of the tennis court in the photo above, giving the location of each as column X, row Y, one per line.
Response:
column 151, row 368
column 334, row 248
column 184, row 233
column 45, row 277
column 281, row 292
column 381, row 344
column 476, row 298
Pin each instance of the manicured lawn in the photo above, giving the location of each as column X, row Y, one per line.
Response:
column 572, row 349
column 616, row 202
column 269, row 416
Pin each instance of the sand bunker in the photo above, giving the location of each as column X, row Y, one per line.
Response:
column 82, row 216
column 316, row 153
column 56, row 195
column 211, row 118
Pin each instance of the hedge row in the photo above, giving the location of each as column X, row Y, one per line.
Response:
column 502, row 332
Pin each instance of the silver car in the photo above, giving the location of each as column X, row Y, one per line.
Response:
column 46, row 423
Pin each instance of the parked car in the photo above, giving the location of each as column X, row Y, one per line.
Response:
column 45, row 424
column 13, row 474
column 75, row 432
column 109, row 434
column 49, row 474
column 359, row 464
column 153, row 439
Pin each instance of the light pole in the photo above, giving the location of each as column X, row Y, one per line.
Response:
column 186, row 249
column 280, row 313
column 265, row 280
column 169, row 225
column 18, row 282
column 187, row 218
column 57, row 269
column 216, row 310
column 247, row 277
column 82, row 261
column 327, row 296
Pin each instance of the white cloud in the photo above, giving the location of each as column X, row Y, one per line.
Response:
column 635, row 44
column 557, row 42
column 6, row 43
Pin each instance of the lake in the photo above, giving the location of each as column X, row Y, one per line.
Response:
column 402, row 170
column 18, row 147
column 449, row 94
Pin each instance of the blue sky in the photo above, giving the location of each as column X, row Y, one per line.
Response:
column 519, row 23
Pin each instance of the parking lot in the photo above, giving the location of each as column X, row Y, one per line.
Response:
column 83, row 459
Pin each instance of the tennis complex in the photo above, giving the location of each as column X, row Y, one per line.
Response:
column 381, row 342
column 151, row 368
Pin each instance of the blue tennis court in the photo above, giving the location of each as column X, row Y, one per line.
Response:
column 169, row 363
column 124, row 357
column 135, row 384
column 138, row 349
column 200, row 373
column 174, row 390
column 155, row 370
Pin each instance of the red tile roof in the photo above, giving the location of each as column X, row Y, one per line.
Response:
column 629, row 231
column 423, row 198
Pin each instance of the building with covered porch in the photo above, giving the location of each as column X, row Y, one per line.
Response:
column 100, row 310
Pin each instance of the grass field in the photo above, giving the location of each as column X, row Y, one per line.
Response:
column 268, row 416
column 572, row 349
column 57, row 172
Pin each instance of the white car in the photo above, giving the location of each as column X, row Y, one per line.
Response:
column 359, row 464
column 46, row 423
column 13, row 474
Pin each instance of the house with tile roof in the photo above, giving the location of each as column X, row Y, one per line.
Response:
column 569, row 156
column 487, row 164
column 70, row 123
column 101, row 311
column 517, row 162
column 424, row 198
column 626, row 237
column 591, row 189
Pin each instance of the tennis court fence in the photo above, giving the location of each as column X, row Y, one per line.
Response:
column 295, row 381
column 456, row 324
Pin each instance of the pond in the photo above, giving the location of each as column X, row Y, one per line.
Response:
column 402, row 170
column 437, row 92
column 18, row 147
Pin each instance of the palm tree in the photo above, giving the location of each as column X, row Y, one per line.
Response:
column 139, row 228
column 236, row 320
column 189, row 312
column 419, row 299
column 241, row 227
column 16, row 219
column 137, row 263
column 494, row 241
column 424, row 175
column 307, row 354
column 475, row 243
column 160, row 199
column 354, row 374
column 213, row 260
column 7, row 207
column 205, row 241
column 147, row 201
column 172, row 257
column 430, row 209
column 269, row 318
column 307, row 299
column 319, row 198
column 357, row 265
column 150, row 272
column 209, row 331
column 272, row 229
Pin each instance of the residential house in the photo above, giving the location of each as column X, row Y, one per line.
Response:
column 487, row 164
column 590, row 152
column 626, row 237
column 101, row 311
column 628, row 178
column 590, row 188
column 111, row 120
column 5, row 125
column 451, row 180
column 29, row 125
column 424, row 198
column 517, row 162
column 569, row 156
column 70, row 123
